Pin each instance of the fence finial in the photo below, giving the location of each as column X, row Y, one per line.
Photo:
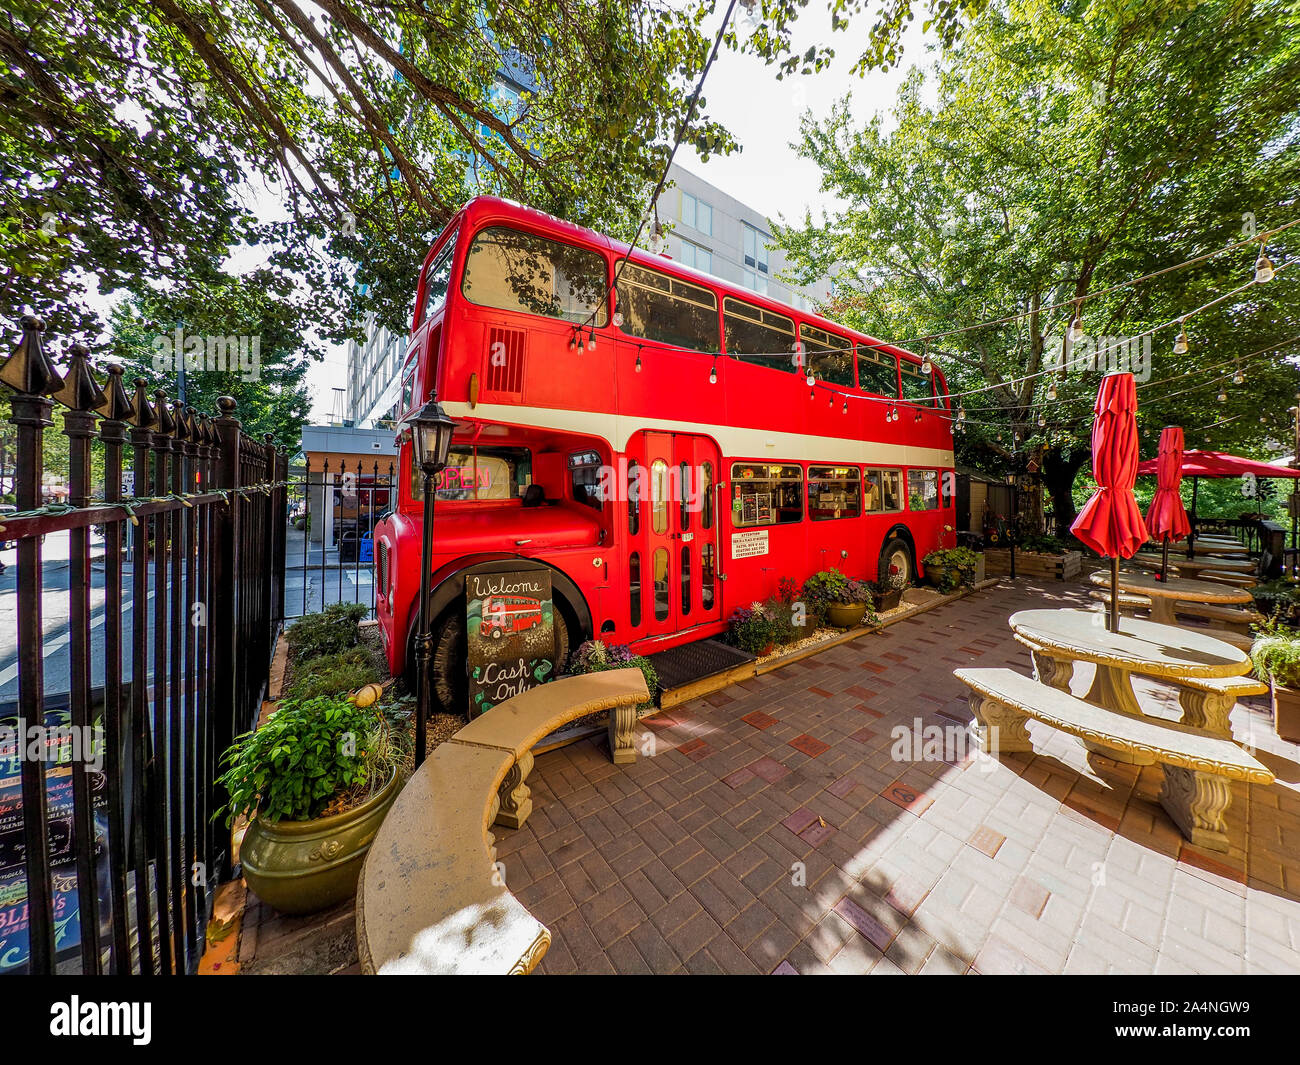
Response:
column 29, row 370
column 143, row 417
column 117, row 406
column 166, row 423
column 80, row 391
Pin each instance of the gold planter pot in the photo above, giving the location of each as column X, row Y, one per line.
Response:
column 845, row 615
column 305, row 866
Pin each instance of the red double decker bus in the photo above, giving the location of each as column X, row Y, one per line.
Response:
column 659, row 448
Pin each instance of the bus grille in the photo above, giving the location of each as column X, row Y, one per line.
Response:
column 505, row 371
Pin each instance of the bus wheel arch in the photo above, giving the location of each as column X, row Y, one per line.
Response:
column 449, row 631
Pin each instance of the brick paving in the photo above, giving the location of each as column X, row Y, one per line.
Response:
column 769, row 829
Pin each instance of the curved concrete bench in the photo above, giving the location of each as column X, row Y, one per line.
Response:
column 1198, row 764
column 430, row 898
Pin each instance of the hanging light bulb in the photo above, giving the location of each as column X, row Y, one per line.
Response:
column 1051, row 392
column 1042, row 420
column 1180, row 345
column 918, row 417
column 1223, row 396
column 713, row 371
column 638, row 362
column 1076, row 326
column 1263, row 267
column 830, row 399
column 961, row 414
column 591, row 341
column 809, row 379
column 573, row 341
column 1263, row 420
column 1238, row 377
column 845, row 409
column 926, row 365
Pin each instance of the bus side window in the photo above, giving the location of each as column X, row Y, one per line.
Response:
column 634, row 478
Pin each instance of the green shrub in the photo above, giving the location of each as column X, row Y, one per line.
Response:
column 304, row 756
column 1275, row 655
column 1279, row 599
column 334, row 629
column 333, row 674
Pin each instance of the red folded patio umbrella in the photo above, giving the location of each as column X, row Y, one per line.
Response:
column 1110, row 522
column 1166, row 518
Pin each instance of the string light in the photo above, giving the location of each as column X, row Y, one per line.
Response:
column 1051, row 392
column 573, row 340
column 1042, row 420
column 1238, row 377
column 961, row 414
column 1223, row 395
column 809, row 379
column 638, row 360
column 591, row 341
column 1263, row 267
column 713, row 371
column 1180, row 345
column 1076, row 326
column 846, row 406
column 927, row 367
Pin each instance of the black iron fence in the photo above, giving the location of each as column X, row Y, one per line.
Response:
column 334, row 504
column 145, row 623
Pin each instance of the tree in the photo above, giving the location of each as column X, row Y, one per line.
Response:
column 133, row 132
column 1070, row 148
column 268, row 384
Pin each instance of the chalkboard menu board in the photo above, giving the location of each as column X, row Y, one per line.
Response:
column 510, row 624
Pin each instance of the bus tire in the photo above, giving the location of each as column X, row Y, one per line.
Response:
column 449, row 683
column 897, row 552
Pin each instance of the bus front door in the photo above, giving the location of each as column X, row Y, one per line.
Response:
column 681, row 531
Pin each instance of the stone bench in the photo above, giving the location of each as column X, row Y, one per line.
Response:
column 1206, row 703
column 1198, row 764
column 431, row 898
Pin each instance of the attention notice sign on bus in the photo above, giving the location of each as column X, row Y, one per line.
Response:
column 510, row 625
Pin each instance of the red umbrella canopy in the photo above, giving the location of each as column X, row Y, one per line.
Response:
column 1166, row 518
column 1218, row 464
column 1110, row 522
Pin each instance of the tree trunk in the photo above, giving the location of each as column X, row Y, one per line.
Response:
column 1058, row 479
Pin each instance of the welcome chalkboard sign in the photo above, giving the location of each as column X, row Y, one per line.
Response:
column 510, row 625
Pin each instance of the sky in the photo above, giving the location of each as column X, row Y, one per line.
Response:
column 763, row 114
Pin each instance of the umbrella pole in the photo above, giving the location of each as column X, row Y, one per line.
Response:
column 1112, row 622
column 1164, row 560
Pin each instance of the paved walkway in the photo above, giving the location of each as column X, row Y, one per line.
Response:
column 777, row 829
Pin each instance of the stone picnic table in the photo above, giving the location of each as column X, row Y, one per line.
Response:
column 1229, row 568
column 1140, row 646
column 1164, row 595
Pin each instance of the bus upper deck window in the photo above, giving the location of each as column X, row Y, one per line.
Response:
column 877, row 372
column 827, row 357
column 437, row 280
column 516, row 271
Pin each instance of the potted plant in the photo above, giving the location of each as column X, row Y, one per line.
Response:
column 1276, row 657
column 888, row 590
column 842, row 601
column 315, row 782
column 948, row 568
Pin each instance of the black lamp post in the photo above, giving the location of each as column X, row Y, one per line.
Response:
column 431, row 431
